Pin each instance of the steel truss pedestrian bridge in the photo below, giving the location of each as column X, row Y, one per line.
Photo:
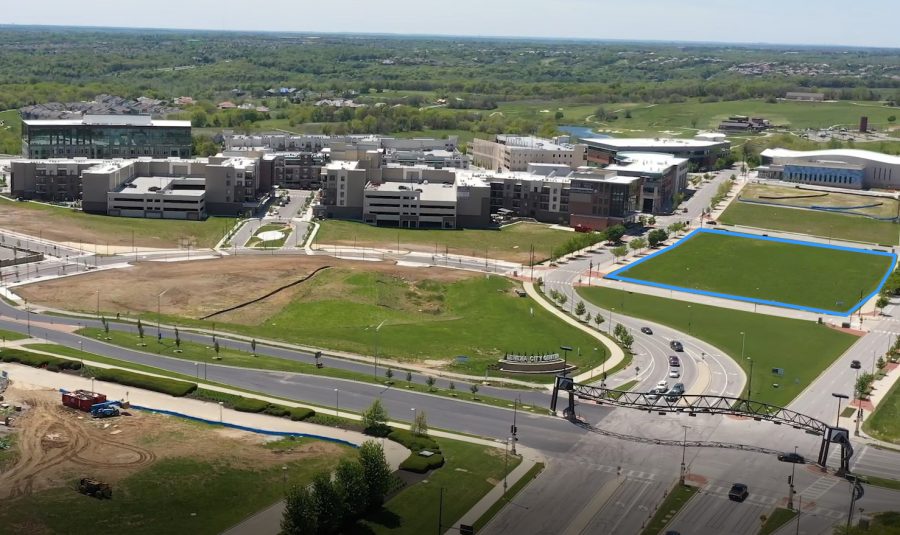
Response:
column 692, row 405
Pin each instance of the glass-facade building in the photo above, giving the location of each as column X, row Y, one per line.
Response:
column 105, row 137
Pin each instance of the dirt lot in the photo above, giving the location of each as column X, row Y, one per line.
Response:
column 57, row 445
column 195, row 289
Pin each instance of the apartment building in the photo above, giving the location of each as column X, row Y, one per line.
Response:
column 514, row 153
column 291, row 170
column 159, row 198
column 53, row 180
column 664, row 176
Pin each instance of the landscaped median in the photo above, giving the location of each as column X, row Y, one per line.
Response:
column 671, row 505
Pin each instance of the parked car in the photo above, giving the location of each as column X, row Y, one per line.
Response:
column 676, row 345
column 855, row 365
column 738, row 492
column 646, row 330
column 674, row 373
column 791, row 457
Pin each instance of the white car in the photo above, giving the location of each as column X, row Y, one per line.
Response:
column 674, row 373
column 663, row 384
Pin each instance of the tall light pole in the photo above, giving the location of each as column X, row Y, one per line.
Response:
column 683, row 452
column 337, row 401
column 566, row 350
column 221, row 408
column 413, row 426
column 750, row 381
column 98, row 302
column 158, row 301
column 791, row 483
column 839, row 397
column 610, row 319
column 514, row 429
column 377, row 330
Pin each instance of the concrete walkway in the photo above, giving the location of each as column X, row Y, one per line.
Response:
column 616, row 355
column 881, row 389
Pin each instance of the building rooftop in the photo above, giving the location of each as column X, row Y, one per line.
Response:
column 645, row 162
column 652, row 143
column 812, row 155
column 342, row 164
column 108, row 120
column 143, row 185
column 427, row 192
column 532, row 142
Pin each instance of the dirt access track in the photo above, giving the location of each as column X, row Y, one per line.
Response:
column 197, row 288
column 57, row 445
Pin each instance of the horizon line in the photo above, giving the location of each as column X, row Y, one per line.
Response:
column 526, row 38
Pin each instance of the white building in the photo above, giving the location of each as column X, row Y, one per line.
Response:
column 840, row 168
column 159, row 198
column 514, row 153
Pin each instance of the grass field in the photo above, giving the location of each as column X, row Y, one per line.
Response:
column 470, row 472
column 256, row 241
column 68, row 225
column 779, row 517
column 9, row 336
column 769, row 270
column 802, row 348
column 884, row 423
column 813, row 223
column 512, row 243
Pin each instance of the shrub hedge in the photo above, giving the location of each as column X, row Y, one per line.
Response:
column 171, row 387
column 243, row 404
column 37, row 360
column 250, row 405
column 413, row 442
column 418, row 464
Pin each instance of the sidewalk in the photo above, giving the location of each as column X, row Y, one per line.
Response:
column 881, row 388
column 616, row 355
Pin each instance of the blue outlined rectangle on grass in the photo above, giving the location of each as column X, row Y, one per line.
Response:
column 842, row 264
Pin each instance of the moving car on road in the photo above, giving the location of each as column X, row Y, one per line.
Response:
column 654, row 394
column 791, row 457
column 674, row 361
column 855, row 365
column 646, row 330
column 675, row 393
column 738, row 492
column 676, row 345
column 674, row 373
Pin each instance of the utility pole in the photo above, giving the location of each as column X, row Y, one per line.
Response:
column 514, row 429
column 791, row 483
column 440, row 526
column 683, row 453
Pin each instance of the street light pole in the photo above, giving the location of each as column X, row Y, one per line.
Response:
column 683, row 453
column 839, row 397
column 337, row 401
column 750, row 381
column 791, row 483
column 377, row 335
column 566, row 350
column 158, row 301
column 514, row 429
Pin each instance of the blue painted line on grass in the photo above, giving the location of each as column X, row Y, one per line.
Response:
column 618, row 274
column 259, row 431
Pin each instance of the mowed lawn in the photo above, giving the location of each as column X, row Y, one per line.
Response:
column 884, row 423
column 813, row 223
column 512, row 243
column 67, row 225
column 804, row 275
column 479, row 317
column 802, row 348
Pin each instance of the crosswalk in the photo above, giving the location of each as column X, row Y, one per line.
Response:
column 626, row 473
column 819, row 488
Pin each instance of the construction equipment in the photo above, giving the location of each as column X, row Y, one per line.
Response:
column 106, row 409
column 92, row 487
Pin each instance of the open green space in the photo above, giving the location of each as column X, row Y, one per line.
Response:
column 470, row 471
column 177, row 495
column 884, row 423
column 803, row 349
column 812, row 222
column 789, row 273
column 511, row 243
column 779, row 517
column 69, row 225
column 673, row 503
column 9, row 336
column 794, row 197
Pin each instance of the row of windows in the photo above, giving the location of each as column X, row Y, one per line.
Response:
column 824, row 179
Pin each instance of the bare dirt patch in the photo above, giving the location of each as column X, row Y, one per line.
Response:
column 198, row 288
column 57, row 444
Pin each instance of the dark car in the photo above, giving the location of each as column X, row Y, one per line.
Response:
column 855, row 365
column 674, row 362
column 712, row 222
column 738, row 492
column 791, row 457
column 676, row 345
column 646, row 330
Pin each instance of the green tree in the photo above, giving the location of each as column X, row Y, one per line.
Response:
column 474, row 390
column 430, row 382
column 377, row 473
column 637, row 244
column 863, row 382
column 408, row 379
column 329, row 506
column 390, row 375
column 882, row 302
column 891, row 118
column 300, row 517
column 615, row 233
column 563, row 298
column 140, row 328
column 452, row 386
column 420, row 426
column 598, row 319
column 350, row 483
column 177, row 338
column 253, row 346
column 619, row 252
column 375, row 419
column 580, row 308
column 657, row 236
column 588, row 317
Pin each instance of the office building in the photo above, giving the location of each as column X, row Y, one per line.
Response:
column 597, row 202
column 702, row 151
column 840, row 168
column 514, row 153
column 664, row 176
column 106, row 136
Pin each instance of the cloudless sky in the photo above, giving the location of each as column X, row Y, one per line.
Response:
column 831, row 22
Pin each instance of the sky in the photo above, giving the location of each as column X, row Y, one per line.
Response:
column 814, row 22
